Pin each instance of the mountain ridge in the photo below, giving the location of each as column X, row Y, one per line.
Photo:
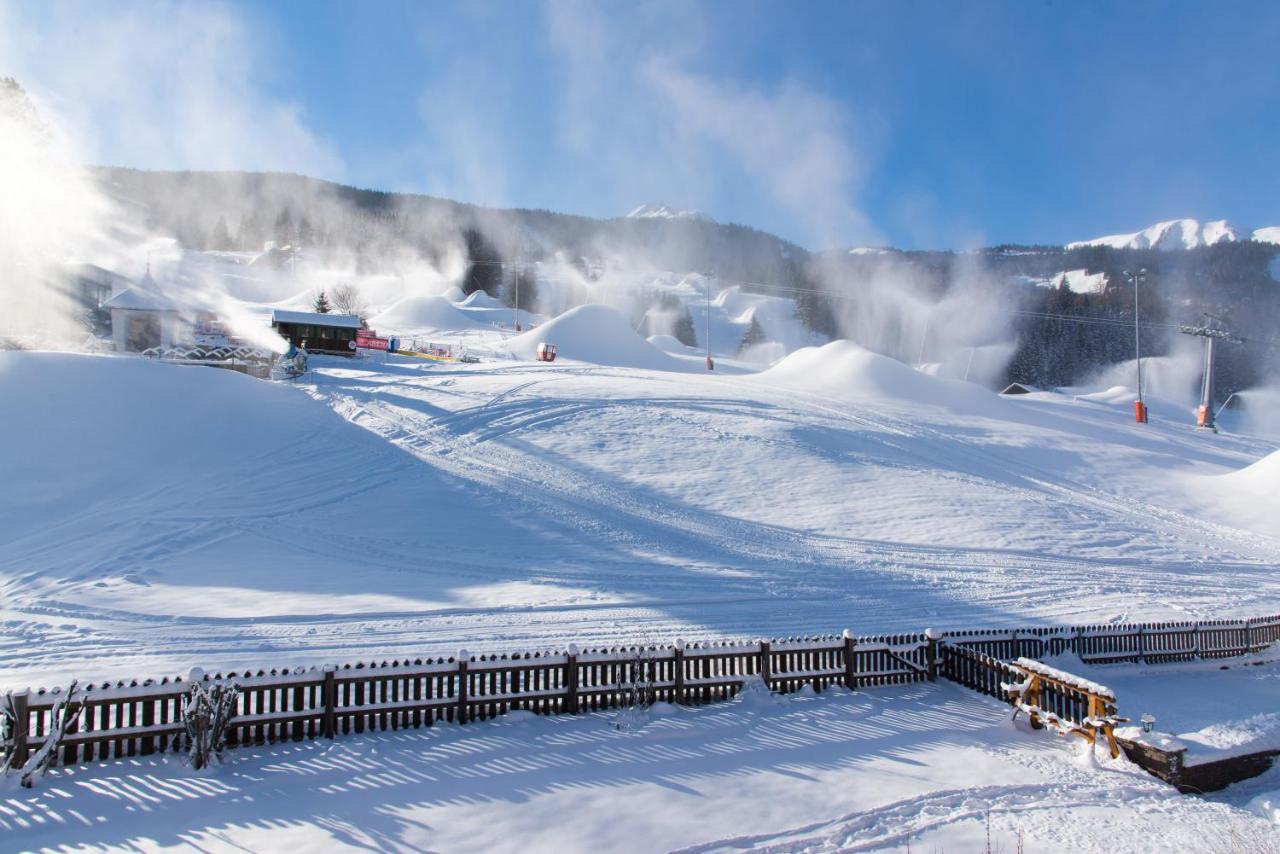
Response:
column 1182, row 234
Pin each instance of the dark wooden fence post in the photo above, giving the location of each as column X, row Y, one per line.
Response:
column 463, row 656
column 679, row 671
column 571, row 680
column 1142, row 643
column 850, row 662
column 931, row 653
column 765, row 673
column 329, row 694
column 1248, row 638
column 20, row 749
column 1198, row 652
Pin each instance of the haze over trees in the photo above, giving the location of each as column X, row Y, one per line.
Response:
column 1061, row 336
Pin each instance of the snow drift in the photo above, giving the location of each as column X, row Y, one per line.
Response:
column 1249, row 497
column 598, row 334
column 413, row 313
column 847, row 370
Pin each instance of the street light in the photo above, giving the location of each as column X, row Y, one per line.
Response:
column 1139, row 406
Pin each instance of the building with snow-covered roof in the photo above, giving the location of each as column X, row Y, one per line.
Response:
column 319, row 333
column 142, row 317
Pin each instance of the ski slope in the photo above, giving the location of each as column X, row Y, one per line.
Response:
column 171, row 516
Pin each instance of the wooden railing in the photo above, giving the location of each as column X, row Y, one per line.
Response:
column 140, row 718
column 1152, row 643
column 1072, row 706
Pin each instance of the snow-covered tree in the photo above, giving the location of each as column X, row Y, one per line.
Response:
column 321, row 305
column 753, row 336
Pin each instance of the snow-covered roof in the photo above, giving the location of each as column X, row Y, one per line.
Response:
column 344, row 321
column 141, row 299
column 1019, row 388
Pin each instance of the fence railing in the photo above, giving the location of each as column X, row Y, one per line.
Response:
column 1152, row 643
column 140, row 718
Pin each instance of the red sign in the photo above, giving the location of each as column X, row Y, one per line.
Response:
column 374, row 343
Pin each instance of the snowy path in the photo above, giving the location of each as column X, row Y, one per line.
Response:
column 411, row 508
column 923, row 765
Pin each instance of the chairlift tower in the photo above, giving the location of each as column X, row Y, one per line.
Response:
column 1206, row 417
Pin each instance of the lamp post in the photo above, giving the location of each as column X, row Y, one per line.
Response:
column 1139, row 405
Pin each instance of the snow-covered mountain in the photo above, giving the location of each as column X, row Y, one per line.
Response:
column 661, row 211
column 1183, row 234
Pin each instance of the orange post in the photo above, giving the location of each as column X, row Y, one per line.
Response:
column 1139, row 412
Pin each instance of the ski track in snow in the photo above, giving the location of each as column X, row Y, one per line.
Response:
column 537, row 442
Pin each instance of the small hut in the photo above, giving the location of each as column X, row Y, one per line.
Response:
column 320, row 333
column 142, row 317
column 1019, row 388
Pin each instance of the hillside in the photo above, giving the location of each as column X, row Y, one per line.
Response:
column 376, row 508
column 930, row 306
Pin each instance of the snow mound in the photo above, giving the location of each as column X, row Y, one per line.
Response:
column 453, row 293
column 671, row 344
column 422, row 313
column 1249, row 497
column 481, row 299
column 844, row 369
column 1262, row 479
column 594, row 333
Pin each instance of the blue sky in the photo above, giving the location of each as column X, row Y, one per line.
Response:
column 920, row 125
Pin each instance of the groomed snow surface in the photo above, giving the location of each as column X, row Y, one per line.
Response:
column 160, row 517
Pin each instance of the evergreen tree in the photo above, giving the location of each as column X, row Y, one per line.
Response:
column 322, row 304
column 684, row 331
column 282, row 233
column 484, row 267
column 221, row 237
column 753, row 336
column 526, row 282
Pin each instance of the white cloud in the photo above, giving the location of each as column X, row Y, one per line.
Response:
column 648, row 124
column 161, row 85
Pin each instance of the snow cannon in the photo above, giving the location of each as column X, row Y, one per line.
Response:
column 1139, row 412
column 546, row 352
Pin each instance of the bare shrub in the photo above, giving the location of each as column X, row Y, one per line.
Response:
column 207, row 711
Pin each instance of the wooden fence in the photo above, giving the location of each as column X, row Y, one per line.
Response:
column 141, row 718
column 1149, row 643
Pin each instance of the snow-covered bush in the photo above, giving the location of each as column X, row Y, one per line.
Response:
column 64, row 718
column 636, row 685
column 8, row 729
column 206, row 713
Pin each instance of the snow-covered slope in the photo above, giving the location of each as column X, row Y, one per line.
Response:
column 1079, row 281
column 1182, row 234
column 166, row 516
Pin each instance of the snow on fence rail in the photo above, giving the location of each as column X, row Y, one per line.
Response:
column 141, row 718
